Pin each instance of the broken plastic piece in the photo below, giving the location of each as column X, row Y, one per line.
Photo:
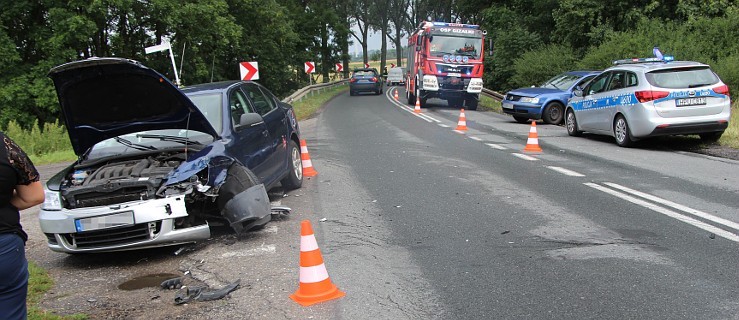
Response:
column 174, row 283
column 322, row 220
column 187, row 294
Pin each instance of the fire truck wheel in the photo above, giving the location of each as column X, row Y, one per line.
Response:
column 470, row 104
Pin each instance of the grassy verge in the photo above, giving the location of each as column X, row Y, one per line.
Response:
column 308, row 106
column 487, row 103
column 53, row 157
column 39, row 283
column 730, row 138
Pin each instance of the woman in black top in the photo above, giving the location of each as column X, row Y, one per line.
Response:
column 20, row 189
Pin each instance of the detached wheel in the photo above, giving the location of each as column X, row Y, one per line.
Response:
column 553, row 113
column 621, row 132
column 711, row 136
column 521, row 119
column 571, row 124
column 294, row 179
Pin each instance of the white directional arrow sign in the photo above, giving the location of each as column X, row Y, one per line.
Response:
column 339, row 67
column 249, row 70
column 310, row 67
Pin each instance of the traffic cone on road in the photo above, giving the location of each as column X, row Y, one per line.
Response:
column 417, row 109
column 315, row 284
column 532, row 144
column 308, row 170
column 462, row 123
column 396, row 94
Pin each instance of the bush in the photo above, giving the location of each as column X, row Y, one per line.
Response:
column 52, row 137
column 538, row 65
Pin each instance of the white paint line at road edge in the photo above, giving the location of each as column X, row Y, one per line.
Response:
column 476, row 138
column 443, row 125
column 409, row 109
column 496, row 146
column 672, row 214
column 567, row 172
column 525, row 157
column 459, row 131
column 697, row 213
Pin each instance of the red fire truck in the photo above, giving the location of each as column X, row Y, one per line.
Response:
column 445, row 62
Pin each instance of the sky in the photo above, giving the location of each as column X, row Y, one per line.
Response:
column 374, row 43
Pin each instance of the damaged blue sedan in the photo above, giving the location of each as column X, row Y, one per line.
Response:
column 159, row 165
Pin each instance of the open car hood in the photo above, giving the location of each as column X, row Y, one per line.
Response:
column 102, row 98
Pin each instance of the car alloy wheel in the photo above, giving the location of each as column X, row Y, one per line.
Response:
column 621, row 132
column 571, row 123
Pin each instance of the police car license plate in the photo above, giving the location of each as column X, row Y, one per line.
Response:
column 690, row 102
column 104, row 222
column 507, row 105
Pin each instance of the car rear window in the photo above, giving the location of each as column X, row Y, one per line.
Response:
column 364, row 74
column 682, row 78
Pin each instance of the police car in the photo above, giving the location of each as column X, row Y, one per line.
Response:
column 647, row 97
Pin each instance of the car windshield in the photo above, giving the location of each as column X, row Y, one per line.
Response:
column 147, row 141
column 561, row 82
column 209, row 105
column 461, row 46
column 682, row 78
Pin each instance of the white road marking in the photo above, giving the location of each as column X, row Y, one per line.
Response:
column 697, row 213
column 496, row 146
column 566, row 171
column 476, row 138
column 672, row 214
column 443, row 125
column 525, row 157
column 458, row 131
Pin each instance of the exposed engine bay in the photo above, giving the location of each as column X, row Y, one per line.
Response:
column 115, row 182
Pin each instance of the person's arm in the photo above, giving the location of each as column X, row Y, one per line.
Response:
column 26, row 196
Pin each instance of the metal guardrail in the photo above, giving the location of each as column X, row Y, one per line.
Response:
column 493, row 94
column 310, row 90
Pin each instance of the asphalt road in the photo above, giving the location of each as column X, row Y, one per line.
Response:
column 417, row 221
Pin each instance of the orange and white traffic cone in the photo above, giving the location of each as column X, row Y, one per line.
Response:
column 462, row 123
column 532, row 143
column 396, row 94
column 308, row 170
column 315, row 284
column 417, row 109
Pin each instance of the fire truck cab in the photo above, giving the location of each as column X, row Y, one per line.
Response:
column 445, row 61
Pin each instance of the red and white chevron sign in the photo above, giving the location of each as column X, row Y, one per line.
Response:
column 339, row 67
column 392, row 65
column 310, row 67
column 249, row 70
column 366, row 65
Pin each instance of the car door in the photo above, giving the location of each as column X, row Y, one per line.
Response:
column 250, row 143
column 587, row 118
column 610, row 99
column 265, row 104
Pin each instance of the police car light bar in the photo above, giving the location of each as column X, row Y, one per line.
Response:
column 643, row 60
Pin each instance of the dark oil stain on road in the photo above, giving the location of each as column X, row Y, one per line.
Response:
column 149, row 280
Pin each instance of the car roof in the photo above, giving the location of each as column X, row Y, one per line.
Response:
column 212, row 86
column 659, row 65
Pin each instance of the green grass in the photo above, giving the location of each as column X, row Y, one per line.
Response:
column 39, row 283
column 53, row 157
column 487, row 103
column 308, row 106
column 730, row 138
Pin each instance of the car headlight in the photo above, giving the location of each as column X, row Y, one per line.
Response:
column 530, row 100
column 52, row 200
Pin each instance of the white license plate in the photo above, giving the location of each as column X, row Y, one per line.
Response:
column 104, row 222
column 507, row 105
column 454, row 74
column 690, row 102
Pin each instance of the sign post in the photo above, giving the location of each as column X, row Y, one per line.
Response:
column 310, row 67
column 162, row 47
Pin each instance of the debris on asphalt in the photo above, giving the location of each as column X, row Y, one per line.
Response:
column 712, row 236
column 322, row 220
column 92, row 300
column 170, row 284
column 505, row 232
column 187, row 294
column 180, row 250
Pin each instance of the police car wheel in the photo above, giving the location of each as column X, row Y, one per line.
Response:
column 621, row 132
column 711, row 136
column 553, row 113
column 571, row 123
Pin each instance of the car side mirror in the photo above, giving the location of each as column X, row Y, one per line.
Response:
column 250, row 119
column 577, row 92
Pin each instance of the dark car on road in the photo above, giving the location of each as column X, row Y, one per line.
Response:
column 159, row 165
column 547, row 101
column 365, row 80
